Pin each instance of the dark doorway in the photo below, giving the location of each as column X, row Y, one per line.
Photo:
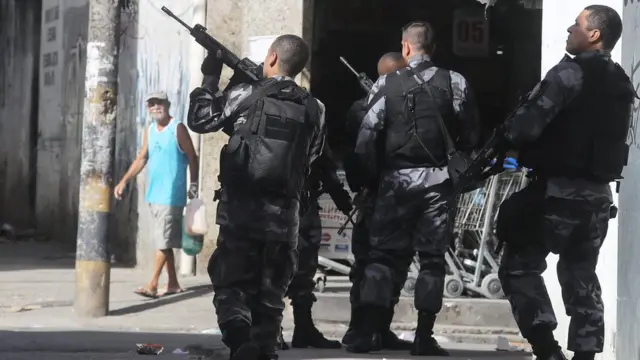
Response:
column 498, row 51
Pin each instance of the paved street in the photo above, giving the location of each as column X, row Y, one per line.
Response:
column 37, row 318
column 87, row 345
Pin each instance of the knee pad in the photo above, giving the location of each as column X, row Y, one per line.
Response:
column 433, row 263
column 377, row 285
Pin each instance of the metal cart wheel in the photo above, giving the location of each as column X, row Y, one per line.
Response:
column 410, row 286
column 321, row 283
column 492, row 287
column 453, row 287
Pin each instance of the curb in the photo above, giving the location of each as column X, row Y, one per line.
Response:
column 335, row 308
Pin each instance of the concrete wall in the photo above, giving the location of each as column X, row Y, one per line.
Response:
column 19, row 48
column 154, row 54
column 557, row 17
column 627, row 342
column 61, row 87
column 233, row 23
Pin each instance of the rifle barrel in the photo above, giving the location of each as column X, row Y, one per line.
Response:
column 168, row 12
column 344, row 61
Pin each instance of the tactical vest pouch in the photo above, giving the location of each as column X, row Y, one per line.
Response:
column 609, row 159
column 273, row 148
column 233, row 159
column 236, row 156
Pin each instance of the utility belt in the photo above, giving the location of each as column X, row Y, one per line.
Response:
column 515, row 228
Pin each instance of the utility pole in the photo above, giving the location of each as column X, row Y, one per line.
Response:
column 98, row 139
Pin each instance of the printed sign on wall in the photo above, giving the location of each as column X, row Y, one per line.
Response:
column 470, row 33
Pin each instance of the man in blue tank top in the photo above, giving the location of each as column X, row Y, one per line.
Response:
column 167, row 149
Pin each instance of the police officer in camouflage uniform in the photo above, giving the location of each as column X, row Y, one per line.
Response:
column 408, row 112
column 323, row 179
column 386, row 339
column 573, row 137
column 276, row 130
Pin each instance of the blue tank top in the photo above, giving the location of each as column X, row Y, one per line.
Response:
column 167, row 167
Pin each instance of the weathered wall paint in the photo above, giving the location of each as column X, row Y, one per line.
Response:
column 19, row 48
column 233, row 22
column 627, row 342
column 153, row 56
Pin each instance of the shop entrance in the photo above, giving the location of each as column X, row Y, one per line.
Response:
column 498, row 51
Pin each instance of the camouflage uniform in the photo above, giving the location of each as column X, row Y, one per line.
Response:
column 354, row 175
column 568, row 217
column 360, row 231
column 323, row 178
column 411, row 208
column 256, row 254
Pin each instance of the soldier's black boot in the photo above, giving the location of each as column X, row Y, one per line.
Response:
column 424, row 343
column 238, row 339
column 553, row 355
column 544, row 345
column 305, row 333
column 388, row 339
column 351, row 334
column 579, row 355
column 366, row 338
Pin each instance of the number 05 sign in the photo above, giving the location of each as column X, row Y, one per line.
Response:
column 470, row 33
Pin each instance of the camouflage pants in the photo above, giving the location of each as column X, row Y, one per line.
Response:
column 360, row 249
column 410, row 216
column 310, row 233
column 533, row 225
column 251, row 268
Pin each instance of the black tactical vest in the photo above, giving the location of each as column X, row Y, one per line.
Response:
column 587, row 139
column 269, row 153
column 414, row 137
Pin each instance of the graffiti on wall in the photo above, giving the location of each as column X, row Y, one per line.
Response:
column 165, row 68
column 153, row 57
column 631, row 61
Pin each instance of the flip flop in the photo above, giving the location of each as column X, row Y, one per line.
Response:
column 171, row 292
column 147, row 293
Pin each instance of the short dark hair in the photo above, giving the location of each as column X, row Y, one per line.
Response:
column 608, row 21
column 293, row 53
column 392, row 56
column 419, row 34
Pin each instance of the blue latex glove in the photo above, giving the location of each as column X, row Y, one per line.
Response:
column 510, row 163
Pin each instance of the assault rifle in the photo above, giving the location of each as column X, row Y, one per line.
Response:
column 245, row 70
column 481, row 167
column 361, row 197
column 365, row 83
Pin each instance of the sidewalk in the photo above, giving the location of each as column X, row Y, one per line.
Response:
column 38, row 292
column 36, row 298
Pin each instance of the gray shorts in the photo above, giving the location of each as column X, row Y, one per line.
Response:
column 166, row 226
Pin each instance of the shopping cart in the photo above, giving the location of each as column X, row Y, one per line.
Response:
column 474, row 230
